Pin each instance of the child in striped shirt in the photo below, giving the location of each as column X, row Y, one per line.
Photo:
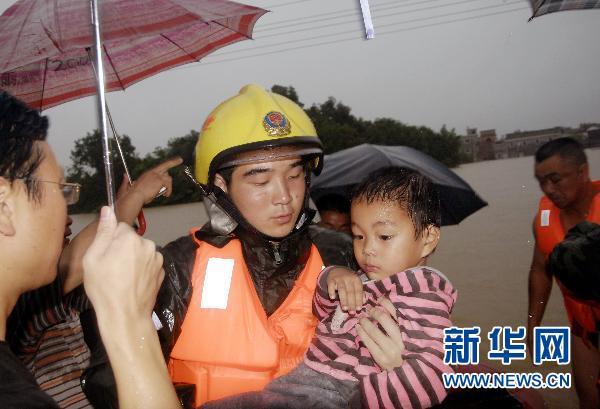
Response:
column 395, row 217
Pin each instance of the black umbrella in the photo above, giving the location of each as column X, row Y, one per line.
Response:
column 344, row 169
column 541, row 7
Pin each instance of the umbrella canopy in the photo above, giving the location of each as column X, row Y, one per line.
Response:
column 344, row 169
column 45, row 45
column 541, row 7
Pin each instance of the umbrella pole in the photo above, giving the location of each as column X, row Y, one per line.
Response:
column 101, row 105
column 366, row 13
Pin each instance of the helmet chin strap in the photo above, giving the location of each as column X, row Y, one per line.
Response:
column 307, row 212
column 220, row 221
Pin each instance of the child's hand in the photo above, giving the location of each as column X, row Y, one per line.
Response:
column 386, row 347
column 348, row 286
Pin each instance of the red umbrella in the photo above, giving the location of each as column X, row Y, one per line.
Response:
column 46, row 47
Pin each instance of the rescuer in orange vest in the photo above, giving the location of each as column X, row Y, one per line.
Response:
column 562, row 171
column 235, row 308
column 236, row 304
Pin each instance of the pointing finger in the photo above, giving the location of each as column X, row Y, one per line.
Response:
column 168, row 164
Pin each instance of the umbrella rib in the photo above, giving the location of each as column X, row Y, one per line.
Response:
column 43, row 84
column 536, row 9
column 54, row 42
column 229, row 28
column 384, row 154
column 113, row 66
column 15, row 44
column 181, row 48
column 241, row 16
column 65, row 45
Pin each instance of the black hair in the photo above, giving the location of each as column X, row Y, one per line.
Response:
column 20, row 127
column 226, row 174
column 566, row 148
column 409, row 189
column 575, row 260
column 333, row 202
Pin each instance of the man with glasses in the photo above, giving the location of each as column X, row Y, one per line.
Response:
column 122, row 272
column 45, row 330
column 69, row 190
column 562, row 172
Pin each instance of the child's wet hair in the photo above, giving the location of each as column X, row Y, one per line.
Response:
column 407, row 188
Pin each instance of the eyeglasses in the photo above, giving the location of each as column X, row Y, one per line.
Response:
column 69, row 190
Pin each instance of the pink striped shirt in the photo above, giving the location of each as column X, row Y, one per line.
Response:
column 423, row 298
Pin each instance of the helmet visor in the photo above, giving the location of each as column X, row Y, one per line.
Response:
column 269, row 155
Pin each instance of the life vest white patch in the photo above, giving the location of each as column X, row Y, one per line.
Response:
column 217, row 281
column 545, row 218
column 157, row 324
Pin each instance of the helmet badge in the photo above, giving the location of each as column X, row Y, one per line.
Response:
column 276, row 124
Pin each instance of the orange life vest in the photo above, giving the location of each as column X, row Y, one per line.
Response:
column 549, row 232
column 227, row 344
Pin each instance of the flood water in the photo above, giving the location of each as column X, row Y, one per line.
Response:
column 486, row 257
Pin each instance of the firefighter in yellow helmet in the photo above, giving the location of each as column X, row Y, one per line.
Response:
column 235, row 308
column 249, row 127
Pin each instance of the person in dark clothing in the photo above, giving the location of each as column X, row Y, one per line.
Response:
column 24, row 155
column 335, row 247
column 18, row 388
column 44, row 331
column 575, row 262
column 334, row 210
column 33, row 213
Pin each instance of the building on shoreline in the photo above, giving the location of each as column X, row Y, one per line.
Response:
column 485, row 145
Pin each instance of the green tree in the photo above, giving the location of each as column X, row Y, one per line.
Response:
column 184, row 191
column 289, row 92
column 336, row 126
column 88, row 169
column 339, row 129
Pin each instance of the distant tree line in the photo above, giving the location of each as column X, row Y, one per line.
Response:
column 337, row 127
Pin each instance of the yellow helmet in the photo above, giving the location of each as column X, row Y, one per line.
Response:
column 255, row 120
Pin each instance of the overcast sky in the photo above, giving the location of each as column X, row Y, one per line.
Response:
column 475, row 63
